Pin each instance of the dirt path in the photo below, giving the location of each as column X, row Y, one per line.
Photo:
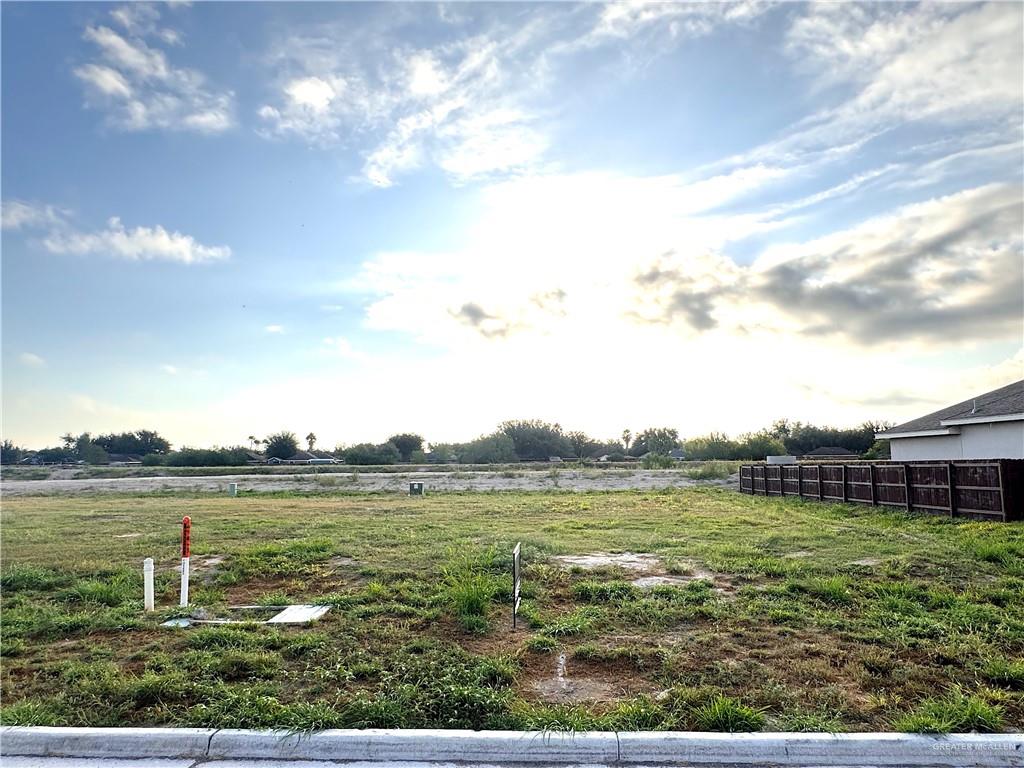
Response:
column 568, row 479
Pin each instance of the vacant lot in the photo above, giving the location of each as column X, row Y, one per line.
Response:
column 351, row 479
column 723, row 612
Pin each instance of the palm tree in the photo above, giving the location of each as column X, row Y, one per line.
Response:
column 311, row 440
column 252, row 441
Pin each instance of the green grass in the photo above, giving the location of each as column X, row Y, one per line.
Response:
column 725, row 714
column 954, row 713
column 784, row 632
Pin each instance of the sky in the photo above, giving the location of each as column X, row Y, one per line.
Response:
column 228, row 219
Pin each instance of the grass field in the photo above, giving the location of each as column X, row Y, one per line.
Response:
column 765, row 614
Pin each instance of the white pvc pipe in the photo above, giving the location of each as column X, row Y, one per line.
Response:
column 184, row 581
column 147, row 583
column 232, row 489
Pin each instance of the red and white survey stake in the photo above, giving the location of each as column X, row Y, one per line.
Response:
column 186, row 551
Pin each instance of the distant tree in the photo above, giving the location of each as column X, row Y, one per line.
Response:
column 10, row 453
column 406, row 443
column 536, row 440
column 253, row 441
column 442, row 453
column 54, row 455
column 758, row 445
column 880, row 451
column 715, row 445
column 627, row 436
column 281, row 445
column 69, row 441
column 368, row 453
column 582, row 444
column 207, row 457
column 489, row 449
column 311, row 441
column 139, row 443
column 611, row 448
column 88, row 451
column 659, row 440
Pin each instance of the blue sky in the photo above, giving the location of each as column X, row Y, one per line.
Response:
column 223, row 219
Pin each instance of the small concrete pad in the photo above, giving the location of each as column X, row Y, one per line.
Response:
column 299, row 614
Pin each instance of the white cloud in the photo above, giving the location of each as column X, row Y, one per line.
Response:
column 138, row 244
column 171, row 370
column 16, row 214
column 140, row 88
column 339, row 346
column 475, row 105
column 274, row 329
column 31, row 360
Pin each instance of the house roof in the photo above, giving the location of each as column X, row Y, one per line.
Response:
column 831, row 451
column 307, row 455
column 998, row 405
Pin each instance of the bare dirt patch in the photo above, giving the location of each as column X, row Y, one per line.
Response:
column 867, row 562
column 651, row 567
column 560, row 688
column 396, row 482
column 641, row 562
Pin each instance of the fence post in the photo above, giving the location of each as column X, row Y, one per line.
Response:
column 845, row 499
column 800, row 479
column 909, row 487
column 874, row 491
column 951, row 484
column 1002, row 491
column 782, row 481
column 821, row 486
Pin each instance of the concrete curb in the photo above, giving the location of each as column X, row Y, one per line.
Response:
column 41, row 741
column 600, row 748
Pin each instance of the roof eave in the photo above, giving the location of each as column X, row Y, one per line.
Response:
column 918, row 433
column 982, row 419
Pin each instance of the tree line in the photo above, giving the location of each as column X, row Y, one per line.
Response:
column 512, row 441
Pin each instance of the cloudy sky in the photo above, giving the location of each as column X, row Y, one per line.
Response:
column 228, row 219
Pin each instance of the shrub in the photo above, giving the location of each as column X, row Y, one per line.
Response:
column 725, row 714
column 657, row 461
column 710, row 470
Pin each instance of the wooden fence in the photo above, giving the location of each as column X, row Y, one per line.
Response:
column 982, row 490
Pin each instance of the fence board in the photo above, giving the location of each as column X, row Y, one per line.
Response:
column 985, row 490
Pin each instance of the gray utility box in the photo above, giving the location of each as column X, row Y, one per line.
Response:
column 416, row 489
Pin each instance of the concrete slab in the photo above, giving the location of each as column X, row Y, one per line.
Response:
column 299, row 614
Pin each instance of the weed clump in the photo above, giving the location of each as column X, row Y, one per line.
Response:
column 726, row 714
column 956, row 712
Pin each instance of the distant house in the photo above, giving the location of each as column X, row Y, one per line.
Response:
column 251, row 457
column 831, row 453
column 989, row 426
column 123, row 459
column 305, row 457
column 678, row 454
